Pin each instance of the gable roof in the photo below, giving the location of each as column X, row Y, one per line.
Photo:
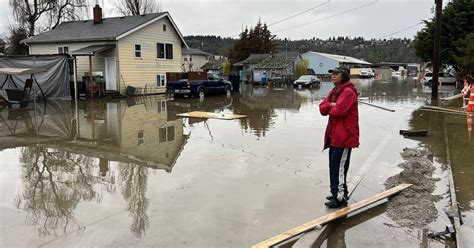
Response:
column 194, row 51
column 267, row 60
column 110, row 29
column 341, row 58
column 214, row 64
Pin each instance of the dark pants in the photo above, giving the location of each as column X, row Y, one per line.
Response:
column 339, row 159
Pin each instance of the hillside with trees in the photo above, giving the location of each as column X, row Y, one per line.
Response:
column 374, row 51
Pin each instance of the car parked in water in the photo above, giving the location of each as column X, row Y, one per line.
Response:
column 367, row 73
column 307, row 80
column 443, row 78
column 214, row 85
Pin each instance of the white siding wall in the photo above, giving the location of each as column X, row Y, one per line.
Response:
column 320, row 64
column 139, row 72
column 197, row 63
column 98, row 62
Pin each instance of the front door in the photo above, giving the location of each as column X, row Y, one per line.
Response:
column 110, row 73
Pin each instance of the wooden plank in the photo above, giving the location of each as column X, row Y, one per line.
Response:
column 444, row 111
column 451, row 97
column 208, row 115
column 330, row 217
column 377, row 106
column 454, row 110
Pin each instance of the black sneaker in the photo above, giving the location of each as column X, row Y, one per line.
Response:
column 334, row 203
column 330, row 197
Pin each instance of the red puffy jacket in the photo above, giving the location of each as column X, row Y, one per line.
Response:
column 343, row 125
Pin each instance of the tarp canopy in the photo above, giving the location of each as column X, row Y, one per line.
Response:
column 51, row 73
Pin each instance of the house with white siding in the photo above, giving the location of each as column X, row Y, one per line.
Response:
column 127, row 51
column 320, row 63
column 194, row 59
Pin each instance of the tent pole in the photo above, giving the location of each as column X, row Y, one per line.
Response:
column 90, row 77
column 74, row 67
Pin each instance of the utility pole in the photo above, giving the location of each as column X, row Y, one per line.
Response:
column 437, row 41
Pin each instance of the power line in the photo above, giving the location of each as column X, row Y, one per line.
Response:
column 295, row 15
column 399, row 31
column 327, row 17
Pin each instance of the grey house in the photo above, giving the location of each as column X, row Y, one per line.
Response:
column 277, row 66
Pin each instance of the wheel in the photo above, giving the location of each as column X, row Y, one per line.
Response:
column 228, row 91
column 201, row 93
column 430, row 83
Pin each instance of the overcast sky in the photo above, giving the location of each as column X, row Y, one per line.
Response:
column 368, row 18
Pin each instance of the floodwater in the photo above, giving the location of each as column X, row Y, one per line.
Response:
column 130, row 173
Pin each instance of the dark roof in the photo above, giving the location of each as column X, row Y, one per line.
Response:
column 109, row 29
column 215, row 64
column 91, row 50
column 267, row 61
column 252, row 59
column 278, row 60
column 194, row 51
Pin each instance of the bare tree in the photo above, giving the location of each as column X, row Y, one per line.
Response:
column 138, row 7
column 31, row 14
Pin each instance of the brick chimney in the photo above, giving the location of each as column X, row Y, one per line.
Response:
column 97, row 14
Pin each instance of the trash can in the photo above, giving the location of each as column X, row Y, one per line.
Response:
column 130, row 91
column 235, row 80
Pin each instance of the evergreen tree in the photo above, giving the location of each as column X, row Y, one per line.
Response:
column 258, row 40
column 457, row 22
column 16, row 47
column 466, row 58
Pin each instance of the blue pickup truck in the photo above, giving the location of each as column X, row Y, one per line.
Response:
column 214, row 85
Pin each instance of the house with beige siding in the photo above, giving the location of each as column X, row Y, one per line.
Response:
column 127, row 51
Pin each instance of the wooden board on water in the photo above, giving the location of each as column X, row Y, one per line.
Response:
column 208, row 115
column 330, row 217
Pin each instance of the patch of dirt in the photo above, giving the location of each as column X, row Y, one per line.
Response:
column 414, row 207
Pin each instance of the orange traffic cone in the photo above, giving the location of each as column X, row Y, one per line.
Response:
column 470, row 104
column 465, row 96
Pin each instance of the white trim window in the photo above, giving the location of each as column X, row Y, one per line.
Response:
column 161, row 80
column 63, row 49
column 164, row 51
column 141, row 138
column 138, row 50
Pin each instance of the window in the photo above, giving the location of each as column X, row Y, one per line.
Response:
column 138, row 50
column 160, row 50
column 140, row 138
column 164, row 27
column 161, row 80
column 63, row 50
column 169, row 51
column 166, row 134
column 170, row 133
column 164, row 51
column 190, row 57
column 185, row 59
column 161, row 106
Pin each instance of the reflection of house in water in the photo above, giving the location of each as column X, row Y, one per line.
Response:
column 259, row 104
column 59, row 154
column 114, row 131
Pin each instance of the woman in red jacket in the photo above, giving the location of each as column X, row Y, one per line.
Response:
column 342, row 133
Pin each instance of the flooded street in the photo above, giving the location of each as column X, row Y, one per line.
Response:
column 129, row 173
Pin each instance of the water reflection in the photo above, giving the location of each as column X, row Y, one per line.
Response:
column 67, row 150
column 450, row 133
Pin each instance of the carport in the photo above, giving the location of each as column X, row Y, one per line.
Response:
column 90, row 51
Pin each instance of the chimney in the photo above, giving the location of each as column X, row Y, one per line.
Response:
column 97, row 14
